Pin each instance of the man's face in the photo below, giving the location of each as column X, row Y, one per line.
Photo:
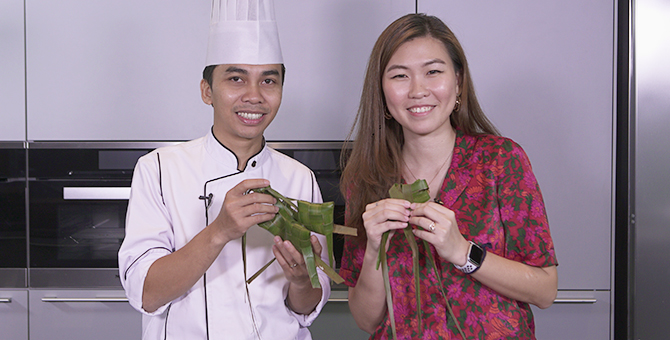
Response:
column 245, row 100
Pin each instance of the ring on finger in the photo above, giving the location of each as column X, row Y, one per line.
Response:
column 294, row 265
column 431, row 227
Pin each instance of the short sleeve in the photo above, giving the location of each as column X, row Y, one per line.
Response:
column 522, row 209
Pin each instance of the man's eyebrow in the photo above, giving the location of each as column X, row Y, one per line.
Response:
column 234, row 69
column 270, row 73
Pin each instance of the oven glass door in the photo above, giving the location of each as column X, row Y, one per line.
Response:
column 77, row 223
column 78, row 197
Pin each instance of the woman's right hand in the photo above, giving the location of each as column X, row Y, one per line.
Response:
column 381, row 216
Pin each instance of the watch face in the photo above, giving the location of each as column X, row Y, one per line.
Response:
column 476, row 254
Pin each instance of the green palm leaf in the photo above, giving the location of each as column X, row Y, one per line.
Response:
column 416, row 192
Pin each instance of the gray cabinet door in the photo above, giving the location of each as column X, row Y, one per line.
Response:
column 543, row 71
column 130, row 70
column 575, row 315
column 82, row 314
column 14, row 314
column 326, row 46
column 12, row 72
column 116, row 70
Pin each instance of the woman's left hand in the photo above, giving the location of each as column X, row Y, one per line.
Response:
column 440, row 230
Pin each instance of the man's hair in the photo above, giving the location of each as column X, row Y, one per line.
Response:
column 209, row 70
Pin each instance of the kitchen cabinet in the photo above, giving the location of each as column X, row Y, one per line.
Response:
column 90, row 314
column 575, row 315
column 12, row 72
column 335, row 320
column 546, row 81
column 14, row 314
column 326, row 45
column 130, row 70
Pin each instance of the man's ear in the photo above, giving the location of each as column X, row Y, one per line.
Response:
column 206, row 92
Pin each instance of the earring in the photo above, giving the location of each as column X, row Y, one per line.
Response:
column 457, row 107
column 387, row 114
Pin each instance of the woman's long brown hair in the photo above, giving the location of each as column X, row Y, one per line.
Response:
column 373, row 165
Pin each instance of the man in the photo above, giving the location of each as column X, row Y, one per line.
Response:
column 181, row 262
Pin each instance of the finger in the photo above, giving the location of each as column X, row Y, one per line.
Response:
column 389, row 203
column 256, row 209
column 432, row 211
column 249, row 184
column 424, row 222
column 377, row 216
column 426, row 235
column 288, row 251
column 280, row 258
column 316, row 245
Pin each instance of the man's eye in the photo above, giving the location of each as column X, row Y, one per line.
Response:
column 235, row 79
column 269, row 81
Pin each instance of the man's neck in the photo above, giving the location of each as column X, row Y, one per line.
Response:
column 242, row 148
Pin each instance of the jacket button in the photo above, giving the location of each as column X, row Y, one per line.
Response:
column 253, row 164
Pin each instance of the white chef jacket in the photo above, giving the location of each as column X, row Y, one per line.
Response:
column 170, row 203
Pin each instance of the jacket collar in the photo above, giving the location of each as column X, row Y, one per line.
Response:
column 227, row 158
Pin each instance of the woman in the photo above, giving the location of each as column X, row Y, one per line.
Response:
column 419, row 119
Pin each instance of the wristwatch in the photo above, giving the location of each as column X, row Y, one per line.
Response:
column 476, row 255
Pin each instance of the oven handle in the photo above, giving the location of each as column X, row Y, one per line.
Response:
column 76, row 299
column 96, row 193
column 5, row 300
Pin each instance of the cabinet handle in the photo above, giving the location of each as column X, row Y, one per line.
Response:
column 575, row 301
column 75, row 299
column 5, row 300
column 96, row 193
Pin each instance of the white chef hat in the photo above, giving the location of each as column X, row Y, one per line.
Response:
column 243, row 32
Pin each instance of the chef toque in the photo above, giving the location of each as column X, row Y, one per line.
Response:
column 243, row 32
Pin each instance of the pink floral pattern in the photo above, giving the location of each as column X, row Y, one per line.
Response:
column 498, row 204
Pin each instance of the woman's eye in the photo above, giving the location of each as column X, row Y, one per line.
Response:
column 434, row 72
column 398, row 76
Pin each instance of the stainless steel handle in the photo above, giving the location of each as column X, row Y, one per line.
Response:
column 76, row 299
column 561, row 300
column 96, row 193
column 575, row 301
column 5, row 300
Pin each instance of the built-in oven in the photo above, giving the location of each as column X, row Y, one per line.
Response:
column 13, row 232
column 78, row 197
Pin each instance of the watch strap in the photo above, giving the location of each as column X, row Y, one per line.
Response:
column 472, row 265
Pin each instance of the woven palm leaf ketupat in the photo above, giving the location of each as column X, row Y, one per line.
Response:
column 294, row 223
column 416, row 192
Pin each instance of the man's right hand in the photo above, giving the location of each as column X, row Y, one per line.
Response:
column 241, row 211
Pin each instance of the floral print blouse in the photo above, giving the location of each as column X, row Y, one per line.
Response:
column 498, row 204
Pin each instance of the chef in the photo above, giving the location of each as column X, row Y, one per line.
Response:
column 192, row 216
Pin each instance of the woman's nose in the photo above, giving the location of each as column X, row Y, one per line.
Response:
column 417, row 89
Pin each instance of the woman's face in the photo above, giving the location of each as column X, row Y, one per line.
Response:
column 420, row 87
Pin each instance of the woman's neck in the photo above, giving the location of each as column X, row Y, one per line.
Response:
column 428, row 157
